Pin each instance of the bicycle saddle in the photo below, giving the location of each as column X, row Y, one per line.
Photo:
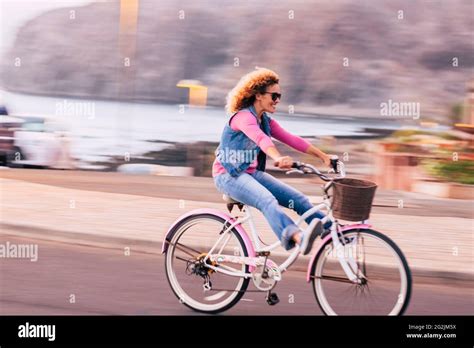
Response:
column 231, row 202
column 229, row 199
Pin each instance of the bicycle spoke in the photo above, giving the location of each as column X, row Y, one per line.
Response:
column 336, row 279
column 181, row 247
column 196, row 251
column 182, row 259
column 374, row 296
column 363, row 259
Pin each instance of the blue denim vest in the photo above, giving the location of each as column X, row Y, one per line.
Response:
column 236, row 151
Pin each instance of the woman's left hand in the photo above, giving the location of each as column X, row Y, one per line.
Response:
column 327, row 160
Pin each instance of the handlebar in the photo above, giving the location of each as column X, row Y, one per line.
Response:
column 304, row 168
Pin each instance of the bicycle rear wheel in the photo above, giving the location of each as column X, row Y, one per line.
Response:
column 187, row 272
column 386, row 282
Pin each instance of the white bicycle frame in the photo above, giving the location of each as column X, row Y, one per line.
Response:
column 348, row 264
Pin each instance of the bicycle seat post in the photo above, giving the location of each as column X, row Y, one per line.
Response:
column 264, row 272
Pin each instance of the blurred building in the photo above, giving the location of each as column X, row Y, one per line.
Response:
column 197, row 92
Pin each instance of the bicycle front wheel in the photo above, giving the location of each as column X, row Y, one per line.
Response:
column 384, row 278
column 192, row 281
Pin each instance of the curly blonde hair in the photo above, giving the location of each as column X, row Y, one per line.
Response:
column 243, row 94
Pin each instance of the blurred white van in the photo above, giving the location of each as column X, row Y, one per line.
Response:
column 7, row 126
column 41, row 141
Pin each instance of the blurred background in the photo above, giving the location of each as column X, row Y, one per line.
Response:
column 145, row 82
column 92, row 91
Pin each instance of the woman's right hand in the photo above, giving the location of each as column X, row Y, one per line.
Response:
column 284, row 162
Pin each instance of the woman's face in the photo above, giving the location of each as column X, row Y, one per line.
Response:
column 266, row 101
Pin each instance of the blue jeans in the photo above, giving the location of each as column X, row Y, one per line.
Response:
column 268, row 194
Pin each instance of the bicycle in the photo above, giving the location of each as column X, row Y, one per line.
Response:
column 212, row 247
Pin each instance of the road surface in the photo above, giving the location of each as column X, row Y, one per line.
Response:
column 106, row 281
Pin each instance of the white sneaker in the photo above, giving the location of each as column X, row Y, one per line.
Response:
column 309, row 236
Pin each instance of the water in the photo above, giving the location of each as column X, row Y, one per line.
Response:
column 102, row 129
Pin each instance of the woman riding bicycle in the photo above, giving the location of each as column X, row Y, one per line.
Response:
column 239, row 167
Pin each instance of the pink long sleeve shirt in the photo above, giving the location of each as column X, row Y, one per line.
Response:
column 247, row 123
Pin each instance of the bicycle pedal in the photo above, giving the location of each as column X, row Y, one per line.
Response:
column 325, row 233
column 272, row 299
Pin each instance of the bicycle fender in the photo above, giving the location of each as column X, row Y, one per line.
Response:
column 210, row 211
column 344, row 228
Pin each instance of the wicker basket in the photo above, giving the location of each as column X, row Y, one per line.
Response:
column 352, row 199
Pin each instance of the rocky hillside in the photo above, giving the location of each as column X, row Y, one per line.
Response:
column 403, row 59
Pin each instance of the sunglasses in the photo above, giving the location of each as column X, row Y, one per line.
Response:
column 275, row 95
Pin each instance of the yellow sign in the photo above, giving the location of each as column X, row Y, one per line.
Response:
column 197, row 92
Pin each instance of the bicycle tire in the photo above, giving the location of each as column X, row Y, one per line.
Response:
column 385, row 239
column 239, row 292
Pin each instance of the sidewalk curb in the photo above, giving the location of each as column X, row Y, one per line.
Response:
column 154, row 247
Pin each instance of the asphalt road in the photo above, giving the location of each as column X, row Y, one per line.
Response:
column 106, row 281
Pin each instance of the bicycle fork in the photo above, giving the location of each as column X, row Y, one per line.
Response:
column 349, row 265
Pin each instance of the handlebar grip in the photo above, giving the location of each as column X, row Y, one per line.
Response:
column 334, row 160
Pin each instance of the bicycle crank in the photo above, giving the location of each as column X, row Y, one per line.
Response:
column 265, row 278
